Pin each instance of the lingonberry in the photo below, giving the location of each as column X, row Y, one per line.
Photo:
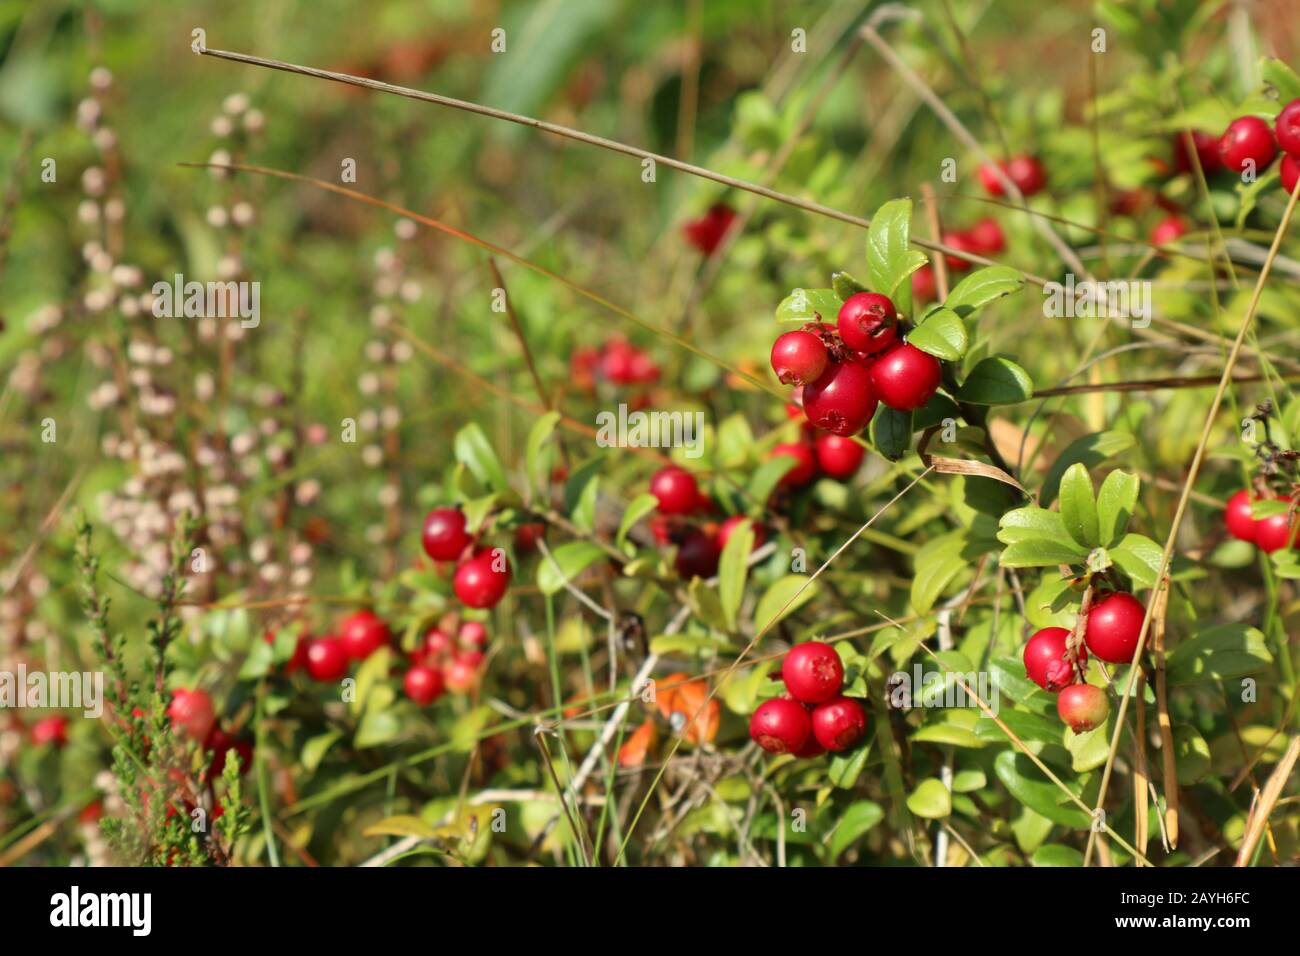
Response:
column 1046, row 661
column 326, row 659
column 1290, row 170
column 527, row 535
column 1206, row 146
column 1275, row 532
column 676, row 490
column 839, row 456
column 961, row 242
column 805, row 469
column 221, row 744
column 812, row 748
column 1237, row 517
column 436, row 644
column 50, row 730
column 1083, row 707
column 191, row 712
column 987, row 237
column 905, row 378
column 706, row 232
column 867, row 322
column 1027, row 172
column 733, row 524
column 697, row 555
column 1287, row 128
column 798, row 357
column 812, row 672
column 924, row 285
column 362, row 634
column 445, row 537
column 461, row 673
column 843, row 400
column 481, row 581
column 780, row 726
column 1247, row 140
column 839, row 723
column 1114, row 623
column 1168, row 230
column 472, row 635
column 423, row 684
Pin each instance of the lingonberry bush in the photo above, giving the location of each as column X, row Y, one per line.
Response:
column 889, row 459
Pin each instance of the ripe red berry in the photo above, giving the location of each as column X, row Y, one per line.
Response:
column 780, row 726
column 706, row 233
column 867, row 322
column 1026, row 172
column 812, row 672
column 676, row 490
column 1114, row 623
column 1167, row 230
column 1248, row 139
column 362, row 634
column 444, row 535
column 962, row 243
column 50, row 730
column 924, row 285
column 839, row 723
column 472, row 635
column 798, row 357
column 1287, row 128
column 481, row 581
column 1207, row 152
column 1046, row 662
column 905, row 378
column 221, row 744
column 805, row 469
column 326, row 659
column 1237, row 516
column 191, row 711
column 423, row 684
column 1083, row 707
column 843, row 400
column 987, row 237
column 461, row 673
column 697, row 555
column 1290, row 170
column 811, row 748
column 839, row 456
column 734, row 523
column 1275, row 532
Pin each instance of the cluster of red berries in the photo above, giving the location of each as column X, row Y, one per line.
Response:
column 1027, row 173
column 699, row 545
column 845, row 369
column 813, row 716
column 984, row 238
column 1268, row 534
column 442, row 662
column 707, row 232
column 482, row 574
column 618, row 361
column 192, row 713
column 327, row 658
column 1110, row 633
column 818, row 453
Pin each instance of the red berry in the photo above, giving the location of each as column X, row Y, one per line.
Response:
column 780, row 726
column 839, row 456
column 472, row 635
column 481, row 581
column 805, row 469
column 1290, row 170
column 734, row 523
column 676, row 490
column 362, row 634
column 50, row 730
column 906, row 378
column 326, row 659
column 1028, row 173
column 1287, row 128
column 843, row 400
column 444, row 535
column 461, row 673
column 798, row 357
column 962, row 243
column 1248, row 139
column 1114, row 624
column 987, row 237
column 706, row 233
column 527, row 535
column 867, row 322
column 812, row 672
column 1083, row 707
column 1046, row 662
column 839, row 723
column 221, row 743
column 1275, row 532
column 924, row 286
column 643, row 369
column 1167, row 230
column 423, row 684
column 616, row 362
column 191, row 711
column 811, row 748
column 1236, row 515
column 436, row 644
column 697, row 555
column 1207, row 152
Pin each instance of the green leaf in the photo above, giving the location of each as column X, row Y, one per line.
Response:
column 1192, row 754
column 889, row 258
column 1139, row 557
column 537, row 454
column 969, row 781
column 771, row 606
column 941, row 333
column 1115, row 504
column 1030, row 522
column 569, row 560
column 258, row 662
column 583, row 511
column 852, row 824
column 637, row 508
column 733, row 568
column 1088, row 750
column 953, row 735
column 938, row 562
column 400, row 826
column 846, row 766
column 982, row 287
column 735, row 441
column 891, row 432
column 1056, row 854
column 704, row 602
column 768, row 475
column 1092, row 450
column 1078, row 507
column 474, row 451
column 1027, row 784
column 690, row 645
column 809, row 305
column 996, row 381
column 377, row 728
column 1281, row 77
column 844, row 285
column 314, row 750
column 1219, row 653
column 930, row 800
column 1039, row 553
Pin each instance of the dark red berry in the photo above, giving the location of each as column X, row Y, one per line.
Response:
column 444, row 535
column 839, row 456
column 961, row 242
column 839, row 723
column 1083, row 707
column 191, row 711
column 1248, row 139
column 50, row 730
column 1168, row 230
column 1290, row 170
column 905, row 378
column 676, row 490
column 867, row 322
column 843, row 400
column 1046, row 661
column 1287, row 128
column 697, row 555
column 798, row 357
column 812, row 672
column 423, row 684
column 1114, row 623
column 811, row 748
column 805, row 469
column 436, row 644
column 1237, row 517
column 481, row 581
column 326, row 659
column 1026, row 172
column 733, row 524
column 780, row 726
column 706, row 233
column 987, row 237
column 362, row 634
column 1207, row 152
column 221, row 744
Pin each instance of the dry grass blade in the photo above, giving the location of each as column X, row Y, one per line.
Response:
column 1169, row 760
column 1267, row 800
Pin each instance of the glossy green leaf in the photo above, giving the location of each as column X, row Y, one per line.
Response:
column 733, row 568
column 982, row 287
column 930, row 800
column 844, row 286
column 786, row 590
column 889, row 257
column 846, row 767
column 996, row 381
column 1218, row 653
column 537, row 454
column 942, row 333
column 1115, row 504
column 637, row 508
column 1091, row 450
column 891, row 432
column 859, row 818
column 1027, row 784
column 1078, row 507
column 809, row 305
column 474, row 451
